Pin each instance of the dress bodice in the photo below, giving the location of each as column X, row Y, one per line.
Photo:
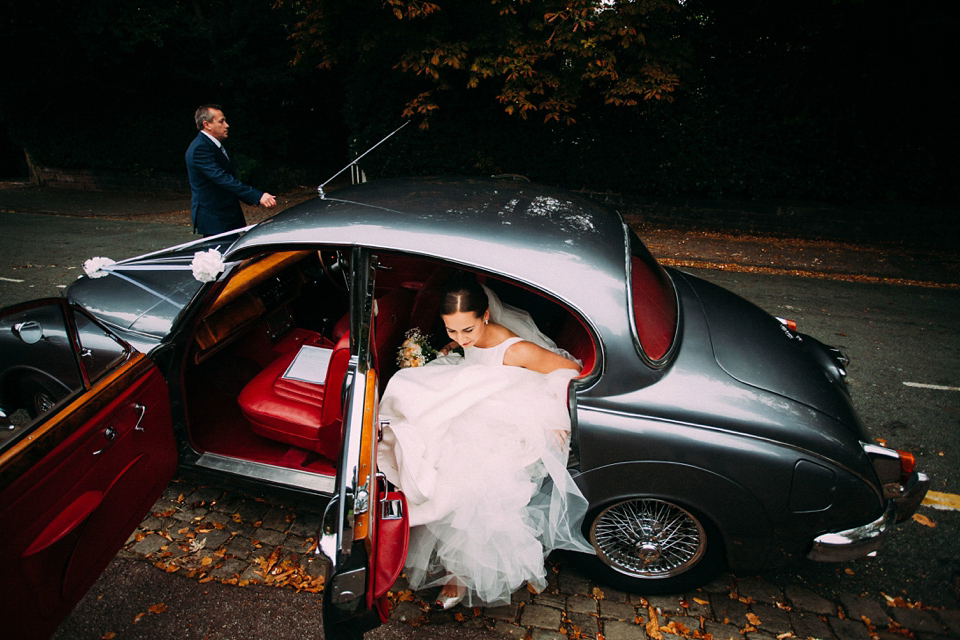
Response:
column 490, row 356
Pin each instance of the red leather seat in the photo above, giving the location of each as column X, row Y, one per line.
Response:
column 575, row 338
column 304, row 414
column 390, row 324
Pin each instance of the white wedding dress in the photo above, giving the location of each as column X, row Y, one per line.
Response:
column 480, row 451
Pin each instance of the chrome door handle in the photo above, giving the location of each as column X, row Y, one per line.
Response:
column 391, row 510
column 140, row 409
column 110, row 434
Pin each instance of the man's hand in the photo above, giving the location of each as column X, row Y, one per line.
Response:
column 268, row 201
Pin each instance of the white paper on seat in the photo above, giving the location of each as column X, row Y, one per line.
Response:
column 310, row 365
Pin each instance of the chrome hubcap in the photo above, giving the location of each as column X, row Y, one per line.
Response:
column 648, row 538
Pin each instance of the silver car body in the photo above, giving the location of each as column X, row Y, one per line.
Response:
column 743, row 422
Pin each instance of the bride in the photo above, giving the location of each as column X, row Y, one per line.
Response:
column 480, row 450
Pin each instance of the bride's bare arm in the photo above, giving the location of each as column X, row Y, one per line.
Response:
column 536, row 358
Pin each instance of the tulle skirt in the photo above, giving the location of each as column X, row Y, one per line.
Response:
column 480, row 453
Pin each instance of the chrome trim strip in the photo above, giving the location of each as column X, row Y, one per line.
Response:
column 269, row 473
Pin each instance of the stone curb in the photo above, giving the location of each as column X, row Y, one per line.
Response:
column 209, row 533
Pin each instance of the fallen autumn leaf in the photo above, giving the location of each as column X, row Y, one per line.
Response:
column 924, row 520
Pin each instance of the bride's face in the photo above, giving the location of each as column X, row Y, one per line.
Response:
column 465, row 327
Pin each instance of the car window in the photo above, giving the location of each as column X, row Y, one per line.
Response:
column 408, row 291
column 654, row 302
column 38, row 367
column 99, row 350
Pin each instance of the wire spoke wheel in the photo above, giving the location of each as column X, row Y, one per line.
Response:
column 648, row 538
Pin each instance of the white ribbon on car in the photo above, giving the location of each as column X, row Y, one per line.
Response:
column 114, row 271
column 206, row 267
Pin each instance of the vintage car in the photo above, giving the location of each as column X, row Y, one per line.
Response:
column 705, row 433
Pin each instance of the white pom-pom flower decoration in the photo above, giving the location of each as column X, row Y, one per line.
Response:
column 94, row 267
column 207, row 265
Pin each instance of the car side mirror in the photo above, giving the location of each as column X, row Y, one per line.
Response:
column 30, row 331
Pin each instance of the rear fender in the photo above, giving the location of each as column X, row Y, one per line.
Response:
column 738, row 515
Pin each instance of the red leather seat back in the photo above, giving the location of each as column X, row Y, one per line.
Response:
column 426, row 305
column 389, row 326
column 575, row 338
column 332, row 412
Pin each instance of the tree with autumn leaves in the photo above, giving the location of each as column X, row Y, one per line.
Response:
column 743, row 98
column 536, row 58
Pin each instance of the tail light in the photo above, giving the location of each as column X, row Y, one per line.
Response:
column 894, row 468
column 789, row 324
column 907, row 464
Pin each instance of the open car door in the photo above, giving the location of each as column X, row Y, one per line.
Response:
column 364, row 532
column 86, row 448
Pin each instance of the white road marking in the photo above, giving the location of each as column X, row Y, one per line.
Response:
column 10, row 279
column 935, row 387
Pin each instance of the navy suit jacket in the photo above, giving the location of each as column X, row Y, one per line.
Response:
column 215, row 190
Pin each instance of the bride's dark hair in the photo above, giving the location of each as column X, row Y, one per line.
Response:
column 463, row 293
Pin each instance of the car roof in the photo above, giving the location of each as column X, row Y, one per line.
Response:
column 539, row 235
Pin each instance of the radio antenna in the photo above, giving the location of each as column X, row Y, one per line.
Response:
column 357, row 159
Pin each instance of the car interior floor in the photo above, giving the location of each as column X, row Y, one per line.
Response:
column 217, row 424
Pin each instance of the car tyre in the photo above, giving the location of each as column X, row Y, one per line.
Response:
column 652, row 546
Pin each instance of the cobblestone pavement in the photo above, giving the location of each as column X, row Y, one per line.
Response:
column 210, row 533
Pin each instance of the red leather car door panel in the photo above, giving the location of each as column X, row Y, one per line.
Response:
column 72, row 493
column 392, row 540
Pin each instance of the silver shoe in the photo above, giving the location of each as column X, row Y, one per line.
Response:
column 444, row 603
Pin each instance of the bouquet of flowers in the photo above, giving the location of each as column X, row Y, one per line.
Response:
column 415, row 350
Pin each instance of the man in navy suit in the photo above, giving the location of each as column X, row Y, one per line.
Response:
column 216, row 192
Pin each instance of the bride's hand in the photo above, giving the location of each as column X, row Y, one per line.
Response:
column 560, row 439
column 450, row 347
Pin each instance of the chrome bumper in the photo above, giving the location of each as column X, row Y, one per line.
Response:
column 865, row 540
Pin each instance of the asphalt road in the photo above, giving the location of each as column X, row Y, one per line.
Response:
column 41, row 254
column 893, row 334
